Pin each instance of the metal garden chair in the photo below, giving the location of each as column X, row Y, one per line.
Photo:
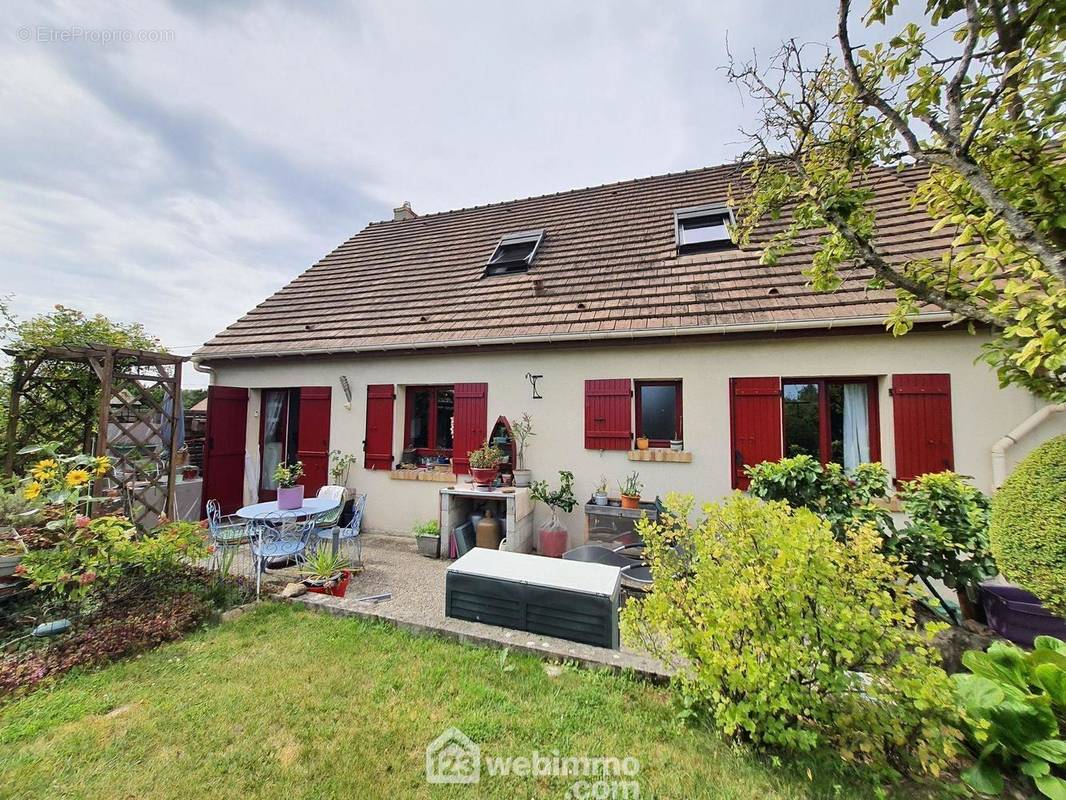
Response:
column 348, row 536
column 278, row 536
column 228, row 533
column 328, row 520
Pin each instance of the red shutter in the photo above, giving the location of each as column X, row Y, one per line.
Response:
column 921, row 412
column 755, row 411
column 227, row 418
column 609, row 414
column 312, row 440
column 377, row 446
column 469, row 423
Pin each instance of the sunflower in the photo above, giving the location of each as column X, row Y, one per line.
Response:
column 76, row 477
column 32, row 490
column 45, row 469
column 103, row 464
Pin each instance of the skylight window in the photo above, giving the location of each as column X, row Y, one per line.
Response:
column 514, row 253
column 703, row 228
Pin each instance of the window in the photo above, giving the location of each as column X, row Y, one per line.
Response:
column 279, row 423
column 514, row 253
column 833, row 420
column 658, row 411
column 703, row 228
column 428, row 423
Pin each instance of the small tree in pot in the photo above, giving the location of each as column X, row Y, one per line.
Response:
column 553, row 534
column 522, row 430
column 630, row 490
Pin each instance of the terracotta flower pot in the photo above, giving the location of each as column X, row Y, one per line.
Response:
column 336, row 587
column 631, row 501
column 483, row 476
column 552, row 541
column 643, row 443
column 290, row 497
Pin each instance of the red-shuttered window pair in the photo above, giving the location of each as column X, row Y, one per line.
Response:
column 771, row 417
column 440, row 420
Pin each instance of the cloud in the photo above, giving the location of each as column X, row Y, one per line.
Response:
column 180, row 182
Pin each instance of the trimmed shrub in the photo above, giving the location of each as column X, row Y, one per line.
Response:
column 846, row 502
column 1028, row 528
column 790, row 638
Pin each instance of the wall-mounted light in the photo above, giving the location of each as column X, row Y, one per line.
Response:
column 347, row 387
column 533, row 382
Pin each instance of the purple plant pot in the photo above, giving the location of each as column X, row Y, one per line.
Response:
column 1018, row 615
column 291, row 498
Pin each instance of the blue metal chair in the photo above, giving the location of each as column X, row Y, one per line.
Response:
column 228, row 533
column 278, row 536
column 348, row 536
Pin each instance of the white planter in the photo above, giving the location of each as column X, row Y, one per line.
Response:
column 8, row 564
column 600, row 499
column 523, row 477
column 676, row 444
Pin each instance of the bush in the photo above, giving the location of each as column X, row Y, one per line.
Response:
column 791, row 638
column 97, row 553
column 845, row 501
column 1016, row 715
column 1028, row 527
column 947, row 535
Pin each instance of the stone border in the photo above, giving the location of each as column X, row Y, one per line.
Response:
column 476, row 634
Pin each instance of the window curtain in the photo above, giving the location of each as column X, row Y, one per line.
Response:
column 273, row 447
column 856, row 426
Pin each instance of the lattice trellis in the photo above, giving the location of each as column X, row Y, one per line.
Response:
column 103, row 400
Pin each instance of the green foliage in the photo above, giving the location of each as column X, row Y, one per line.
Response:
column 18, row 512
column 980, row 110
column 784, row 635
column 485, row 457
column 803, row 482
column 1028, row 527
column 190, row 397
column 631, row 486
column 287, row 475
column 1015, row 718
column 68, row 327
column 947, row 535
column 601, row 485
column 430, row 527
column 97, row 554
column 323, row 564
column 522, row 430
column 340, row 464
column 558, row 499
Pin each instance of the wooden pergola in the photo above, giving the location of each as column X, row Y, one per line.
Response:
column 101, row 400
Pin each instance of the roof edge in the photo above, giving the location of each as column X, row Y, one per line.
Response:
column 827, row 323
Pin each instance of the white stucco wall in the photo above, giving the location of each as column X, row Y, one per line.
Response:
column 982, row 412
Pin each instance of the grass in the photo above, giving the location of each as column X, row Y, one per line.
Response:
column 286, row 703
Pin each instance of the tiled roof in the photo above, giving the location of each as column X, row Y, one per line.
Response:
column 608, row 265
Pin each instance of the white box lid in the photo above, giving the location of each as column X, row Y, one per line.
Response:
column 553, row 573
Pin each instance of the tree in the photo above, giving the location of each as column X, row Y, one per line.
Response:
column 971, row 106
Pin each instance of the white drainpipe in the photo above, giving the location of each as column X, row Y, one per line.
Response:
column 1000, row 448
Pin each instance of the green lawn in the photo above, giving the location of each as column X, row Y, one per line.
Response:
column 288, row 704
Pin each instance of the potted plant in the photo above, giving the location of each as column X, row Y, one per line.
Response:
column 427, row 534
column 484, row 463
column 630, row 490
column 643, row 442
column 340, row 466
column 522, row 430
column 11, row 552
column 676, row 443
column 326, row 572
column 553, row 534
column 290, row 494
column 599, row 494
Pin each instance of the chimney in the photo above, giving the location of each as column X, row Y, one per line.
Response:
column 404, row 212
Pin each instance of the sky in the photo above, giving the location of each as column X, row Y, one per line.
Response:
column 176, row 163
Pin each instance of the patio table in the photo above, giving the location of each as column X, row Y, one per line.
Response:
column 312, row 507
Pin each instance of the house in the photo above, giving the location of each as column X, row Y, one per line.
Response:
column 607, row 313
